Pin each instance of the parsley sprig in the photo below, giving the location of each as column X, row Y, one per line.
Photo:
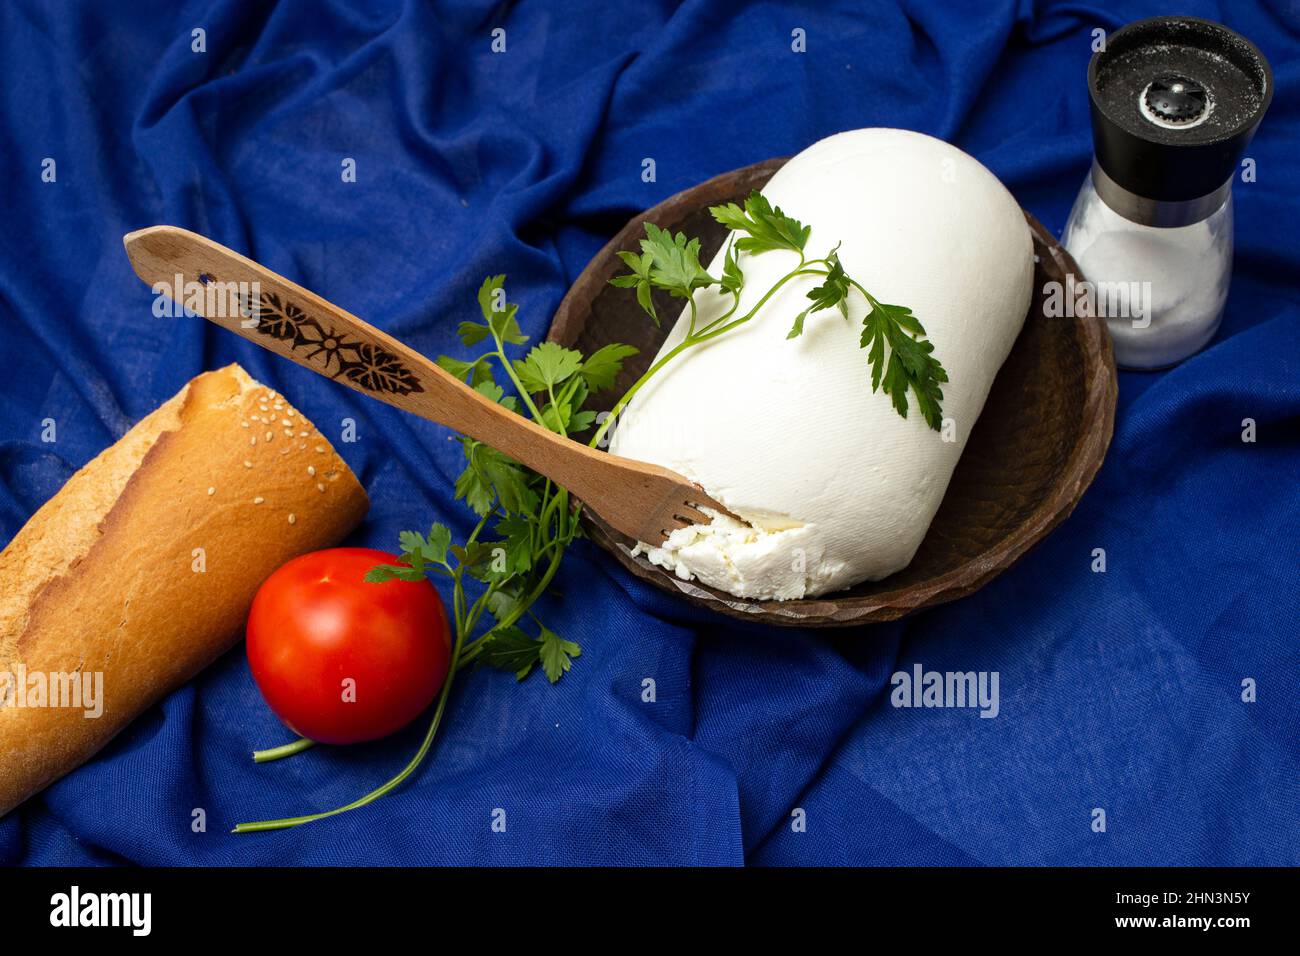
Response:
column 525, row 521
column 900, row 356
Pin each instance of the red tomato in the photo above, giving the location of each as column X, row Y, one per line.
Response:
column 341, row 660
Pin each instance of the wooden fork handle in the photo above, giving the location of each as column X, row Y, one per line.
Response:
column 299, row 325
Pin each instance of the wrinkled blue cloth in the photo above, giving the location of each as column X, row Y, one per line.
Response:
column 1119, row 690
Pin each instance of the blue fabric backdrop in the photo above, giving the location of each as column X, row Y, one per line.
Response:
column 1119, row 690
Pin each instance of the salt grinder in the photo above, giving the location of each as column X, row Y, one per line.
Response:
column 1175, row 102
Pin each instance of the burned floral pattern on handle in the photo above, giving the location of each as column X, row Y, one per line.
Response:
column 364, row 364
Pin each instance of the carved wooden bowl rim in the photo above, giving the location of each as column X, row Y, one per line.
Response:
column 844, row 609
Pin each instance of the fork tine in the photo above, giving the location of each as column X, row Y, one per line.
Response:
column 653, row 501
column 701, row 499
column 670, row 518
column 687, row 514
column 684, row 513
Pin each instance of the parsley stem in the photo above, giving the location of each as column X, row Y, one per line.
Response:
column 544, row 509
column 480, row 605
column 478, row 529
column 284, row 750
column 470, row 654
column 547, row 509
column 871, row 299
column 373, row 795
column 713, row 329
column 735, row 304
column 636, row 387
column 458, row 600
column 518, row 610
column 510, row 371
column 559, row 422
column 461, row 632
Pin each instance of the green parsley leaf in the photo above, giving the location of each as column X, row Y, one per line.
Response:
column 797, row 329
column 557, row 417
column 510, row 649
column 472, row 333
column 675, row 262
column 547, row 365
column 834, row 290
column 436, row 543
column 556, row 654
column 477, row 372
column 602, row 366
column 498, row 394
column 490, row 476
column 473, row 556
column 575, row 392
column 732, row 277
column 502, row 602
column 766, row 228
column 911, row 361
column 517, row 540
column 492, row 296
column 499, row 313
column 389, row 572
column 380, row 573
column 477, row 491
column 507, row 327
column 412, row 542
column 639, row 279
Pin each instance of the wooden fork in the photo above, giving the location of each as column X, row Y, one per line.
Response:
column 643, row 501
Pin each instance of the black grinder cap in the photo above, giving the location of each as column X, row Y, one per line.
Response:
column 1175, row 102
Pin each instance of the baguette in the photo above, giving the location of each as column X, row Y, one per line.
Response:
column 140, row 571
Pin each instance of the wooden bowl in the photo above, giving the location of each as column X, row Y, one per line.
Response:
column 1036, row 447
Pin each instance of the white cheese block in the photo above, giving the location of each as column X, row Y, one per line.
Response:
column 837, row 486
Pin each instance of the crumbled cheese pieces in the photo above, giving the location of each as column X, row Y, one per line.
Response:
column 778, row 563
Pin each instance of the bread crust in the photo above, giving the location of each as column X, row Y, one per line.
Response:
column 143, row 566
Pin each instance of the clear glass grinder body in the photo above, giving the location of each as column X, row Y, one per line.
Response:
column 1174, row 104
column 1162, row 289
